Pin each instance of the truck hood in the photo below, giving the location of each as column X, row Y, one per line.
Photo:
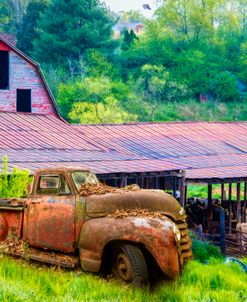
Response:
column 152, row 200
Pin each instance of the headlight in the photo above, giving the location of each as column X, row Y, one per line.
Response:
column 182, row 211
column 176, row 233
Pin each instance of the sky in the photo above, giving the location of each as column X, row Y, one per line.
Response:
column 126, row 5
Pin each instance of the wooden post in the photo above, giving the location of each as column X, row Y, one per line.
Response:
column 238, row 203
column 185, row 194
column 156, row 182
column 222, row 192
column 174, row 186
column 230, row 207
column 210, row 204
column 245, row 202
column 142, row 182
column 222, row 232
column 124, row 182
column 182, row 190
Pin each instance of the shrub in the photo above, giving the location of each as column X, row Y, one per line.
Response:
column 203, row 250
column 15, row 184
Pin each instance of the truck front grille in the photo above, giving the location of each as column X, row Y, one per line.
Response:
column 185, row 245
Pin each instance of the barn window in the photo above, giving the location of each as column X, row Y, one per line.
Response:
column 23, row 100
column 4, row 69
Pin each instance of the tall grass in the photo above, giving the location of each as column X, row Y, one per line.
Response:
column 215, row 281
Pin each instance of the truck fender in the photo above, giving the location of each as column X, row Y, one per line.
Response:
column 156, row 235
column 3, row 228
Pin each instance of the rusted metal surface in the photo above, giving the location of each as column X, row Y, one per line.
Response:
column 50, row 226
column 153, row 200
column 21, row 249
column 155, row 234
column 65, row 222
column 137, row 148
column 11, row 222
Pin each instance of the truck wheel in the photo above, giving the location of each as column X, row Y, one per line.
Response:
column 129, row 265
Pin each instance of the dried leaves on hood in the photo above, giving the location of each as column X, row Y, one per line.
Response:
column 100, row 188
column 120, row 214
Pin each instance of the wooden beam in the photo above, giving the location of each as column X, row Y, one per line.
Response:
column 210, row 206
column 222, row 191
column 245, row 202
column 156, row 182
column 186, row 194
column 174, row 186
column 182, row 190
column 238, row 202
column 230, row 207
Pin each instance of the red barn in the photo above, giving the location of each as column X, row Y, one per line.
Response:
column 22, row 85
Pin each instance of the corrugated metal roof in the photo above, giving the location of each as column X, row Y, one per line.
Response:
column 32, row 141
column 203, row 149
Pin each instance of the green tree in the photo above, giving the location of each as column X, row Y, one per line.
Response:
column 151, row 84
column 69, row 27
column 109, row 111
column 97, row 64
column 129, row 38
column 5, row 18
column 27, row 33
column 11, row 15
column 225, row 87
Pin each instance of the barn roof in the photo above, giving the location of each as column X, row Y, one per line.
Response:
column 38, row 69
column 205, row 150
column 35, row 141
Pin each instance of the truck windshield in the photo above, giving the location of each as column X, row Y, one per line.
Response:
column 83, row 177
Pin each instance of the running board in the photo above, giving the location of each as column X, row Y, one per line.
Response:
column 48, row 257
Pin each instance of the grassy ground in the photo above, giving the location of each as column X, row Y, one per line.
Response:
column 214, row 281
column 201, row 191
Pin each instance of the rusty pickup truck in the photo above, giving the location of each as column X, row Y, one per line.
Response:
column 57, row 222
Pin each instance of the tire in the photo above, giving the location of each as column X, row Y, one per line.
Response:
column 129, row 265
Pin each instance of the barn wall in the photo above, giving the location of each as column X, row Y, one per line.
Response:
column 23, row 75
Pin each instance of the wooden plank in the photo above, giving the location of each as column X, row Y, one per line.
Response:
column 230, row 206
column 210, row 204
column 182, row 190
column 222, row 191
column 238, row 202
column 245, row 202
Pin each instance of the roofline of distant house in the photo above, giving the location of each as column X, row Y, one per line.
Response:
column 36, row 65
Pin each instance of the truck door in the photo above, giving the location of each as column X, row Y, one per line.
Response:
column 50, row 215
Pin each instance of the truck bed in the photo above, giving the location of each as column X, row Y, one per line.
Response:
column 12, row 203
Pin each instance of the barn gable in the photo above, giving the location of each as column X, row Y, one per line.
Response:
column 22, row 84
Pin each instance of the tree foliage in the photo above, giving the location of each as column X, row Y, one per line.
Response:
column 27, row 33
column 74, row 27
column 15, row 184
column 189, row 50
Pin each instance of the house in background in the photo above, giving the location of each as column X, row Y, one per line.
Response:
column 23, row 87
column 137, row 28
